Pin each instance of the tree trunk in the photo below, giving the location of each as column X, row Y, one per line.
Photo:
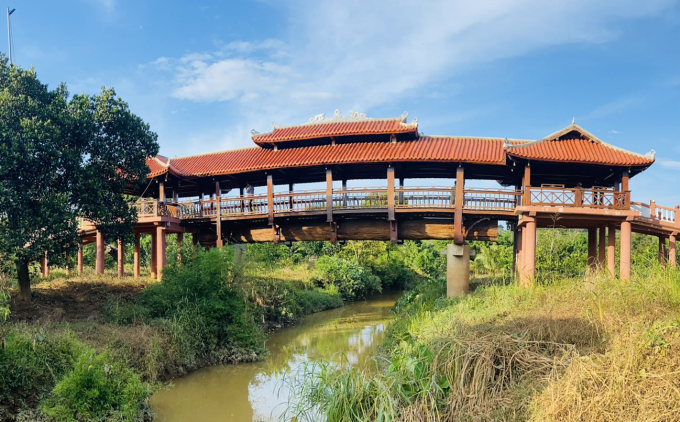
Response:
column 24, row 280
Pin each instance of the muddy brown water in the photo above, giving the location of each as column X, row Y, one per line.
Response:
column 258, row 391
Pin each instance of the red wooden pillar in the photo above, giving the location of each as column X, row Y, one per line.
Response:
column 624, row 266
column 121, row 258
column 135, row 264
column 624, row 188
column 529, row 249
column 390, row 193
column 160, row 251
column 218, row 217
column 592, row 248
column 270, row 198
column 80, row 259
column 458, row 237
column 99, row 265
column 611, row 251
column 154, row 255
column 602, row 246
column 329, row 195
column 672, row 254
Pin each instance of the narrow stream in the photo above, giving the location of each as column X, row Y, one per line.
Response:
column 254, row 391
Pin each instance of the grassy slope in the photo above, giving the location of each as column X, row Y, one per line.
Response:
column 577, row 349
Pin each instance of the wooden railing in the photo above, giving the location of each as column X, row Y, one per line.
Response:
column 359, row 198
column 659, row 213
column 491, row 199
column 425, row 197
column 300, row 201
column 576, row 197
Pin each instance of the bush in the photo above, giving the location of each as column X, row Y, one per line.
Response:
column 351, row 279
column 99, row 388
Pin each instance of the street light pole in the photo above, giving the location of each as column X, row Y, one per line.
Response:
column 9, row 34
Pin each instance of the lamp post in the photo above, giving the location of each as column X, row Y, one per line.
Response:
column 9, row 34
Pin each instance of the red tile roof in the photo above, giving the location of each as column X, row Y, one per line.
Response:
column 337, row 126
column 432, row 149
column 574, row 144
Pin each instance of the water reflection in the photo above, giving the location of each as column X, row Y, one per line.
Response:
column 255, row 391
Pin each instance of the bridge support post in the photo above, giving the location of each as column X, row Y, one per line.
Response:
column 602, row 247
column 160, row 251
column 672, row 254
column 662, row 250
column 624, row 266
column 135, row 263
column 44, row 266
column 218, row 216
column 154, row 245
column 611, row 251
column 99, row 265
column 519, row 263
column 457, row 269
column 80, row 259
column 528, row 275
column 121, row 258
column 458, row 236
column 592, row 248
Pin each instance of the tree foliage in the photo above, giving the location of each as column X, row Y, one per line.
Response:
column 61, row 158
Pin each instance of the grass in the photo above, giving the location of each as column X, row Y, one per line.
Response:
column 590, row 348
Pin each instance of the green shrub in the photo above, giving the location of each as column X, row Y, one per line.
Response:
column 99, row 388
column 351, row 279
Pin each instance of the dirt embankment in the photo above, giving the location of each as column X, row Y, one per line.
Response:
column 73, row 300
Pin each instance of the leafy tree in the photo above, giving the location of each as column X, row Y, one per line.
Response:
column 61, row 158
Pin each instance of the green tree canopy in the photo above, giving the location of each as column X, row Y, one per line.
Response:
column 61, row 158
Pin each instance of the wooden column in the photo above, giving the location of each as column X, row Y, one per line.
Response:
column 390, row 193
column 592, row 248
column 624, row 253
column 161, row 191
column 329, row 195
column 154, row 255
column 529, row 246
column 344, row 193
column 160, row 251
column 135, row 265
column 526, row 185
column 602, row 246
column 515, row 249
column 194, row 238
column 624, row 187
column 243, row 202
column 180, row 240
column 611, row 251
column 121, row 259
column 401, row 193
column 458, row 237
column 218, row 216
column 80, row 259
column 99, row 266
column 672, row 253
column 662, row 250
column 270, row 198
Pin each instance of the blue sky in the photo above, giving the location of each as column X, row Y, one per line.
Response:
column 203, row 74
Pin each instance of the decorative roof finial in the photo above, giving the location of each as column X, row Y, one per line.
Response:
column 573, row 120
column 337, row 114
column 254, row 132
column 275, row 126
column 651, row 154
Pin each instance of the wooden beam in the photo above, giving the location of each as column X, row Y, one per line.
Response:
column 458, row 204
column 329, row 195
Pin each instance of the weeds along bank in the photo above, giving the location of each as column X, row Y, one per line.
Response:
column 68, row 361
column 572, row 348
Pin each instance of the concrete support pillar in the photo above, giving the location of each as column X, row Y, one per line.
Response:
column 99, row 265
column 672, row 253
column 592, row 248
column 135, row 264
column 121, row 258
column 154, row 255
column 457, row 269
column 624, row 253
column 160, row 251
column 529, row 252
column 80, row 259
column 611, row 251
column 602, row 247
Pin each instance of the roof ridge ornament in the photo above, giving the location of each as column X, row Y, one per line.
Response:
column 506, row 143
column 651, row 154
column 254, row 132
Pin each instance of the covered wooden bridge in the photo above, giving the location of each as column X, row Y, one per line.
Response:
column 567, row 179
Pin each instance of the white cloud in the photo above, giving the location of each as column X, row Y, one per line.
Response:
column 670, row 164
column 358, row 54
